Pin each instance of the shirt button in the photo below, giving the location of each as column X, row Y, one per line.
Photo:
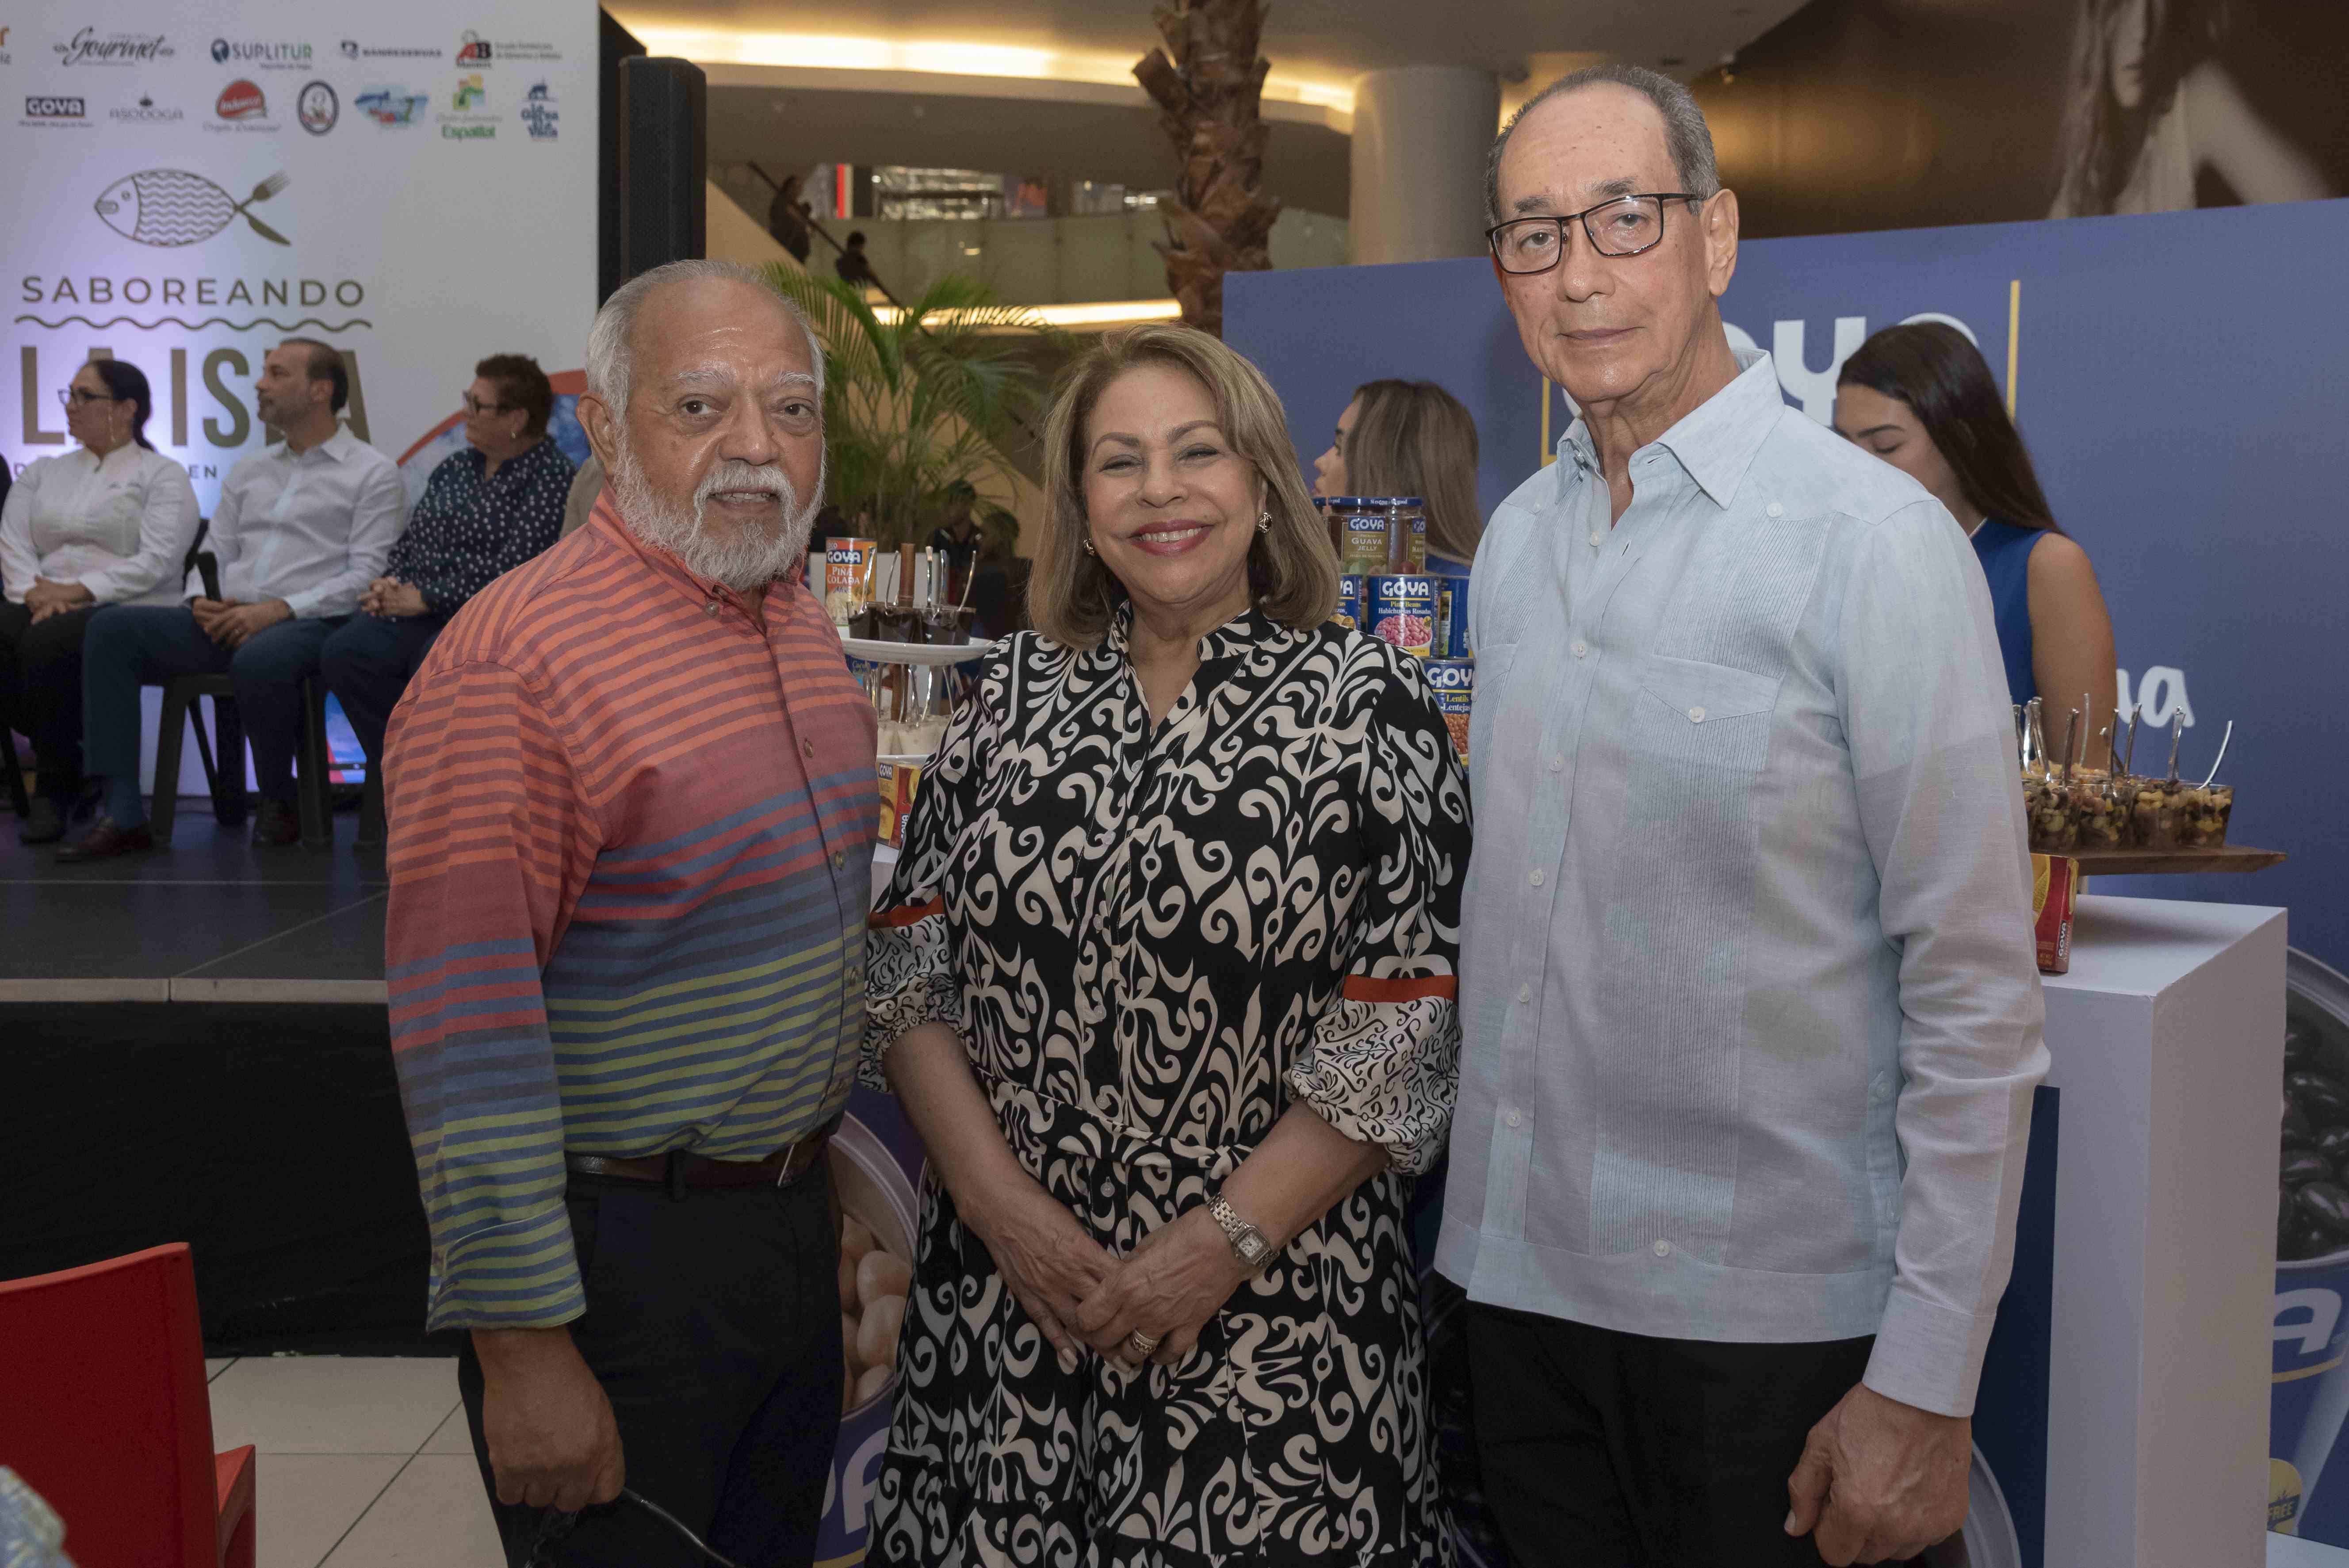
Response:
column 1595, row 538
column 1774, row 509
column 1533, row 877
column 1696, row 716
column 711, row 608
column 807, row 749
column 1663, row 1248
column 839, row 860
column 1558, row 764
column 1525, row 993
column 1515, row 1117
column 1581, row 649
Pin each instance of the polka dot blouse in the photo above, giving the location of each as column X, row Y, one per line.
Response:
column 467, row 531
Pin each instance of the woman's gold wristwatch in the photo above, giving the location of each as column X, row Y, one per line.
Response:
column 1248, row 1243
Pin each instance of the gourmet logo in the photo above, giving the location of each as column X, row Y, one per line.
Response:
column 241, row 99
column 91, row 47
column 55, row 108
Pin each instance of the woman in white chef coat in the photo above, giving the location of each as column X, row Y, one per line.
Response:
column 109, row 524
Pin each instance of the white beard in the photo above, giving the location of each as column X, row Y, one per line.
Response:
column 745, row 557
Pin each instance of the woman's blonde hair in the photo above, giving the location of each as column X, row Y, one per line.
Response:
column 1292, row 566
column 1413, row 437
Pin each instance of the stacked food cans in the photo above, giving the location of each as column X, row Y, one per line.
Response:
column 1384, row 590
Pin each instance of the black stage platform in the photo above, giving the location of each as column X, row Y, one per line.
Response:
column 193, row 1047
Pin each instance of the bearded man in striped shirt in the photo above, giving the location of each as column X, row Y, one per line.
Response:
column 632, row 815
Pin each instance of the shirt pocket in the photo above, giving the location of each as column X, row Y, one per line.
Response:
column 1696, row 717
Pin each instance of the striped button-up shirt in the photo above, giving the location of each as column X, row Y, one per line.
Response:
column 1750, row 1013
column 632, row 818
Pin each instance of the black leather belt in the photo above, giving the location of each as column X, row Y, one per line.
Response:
column 680, row 1171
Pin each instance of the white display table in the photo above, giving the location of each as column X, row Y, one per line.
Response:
column 2167, row 1040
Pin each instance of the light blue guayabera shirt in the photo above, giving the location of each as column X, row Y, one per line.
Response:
column 1751, row 1012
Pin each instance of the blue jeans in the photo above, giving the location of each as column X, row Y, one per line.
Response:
column 131, row 645
column 367, row 663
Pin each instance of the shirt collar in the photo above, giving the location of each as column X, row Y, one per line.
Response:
column 336, row 447
column 1235, row 638
column 1714, row 442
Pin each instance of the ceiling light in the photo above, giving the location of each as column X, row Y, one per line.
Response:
column 821, row 51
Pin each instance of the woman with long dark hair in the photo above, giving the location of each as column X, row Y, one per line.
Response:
column 1922, row 397
column 109, row 524
column 2149, row 109
column 1411, row 437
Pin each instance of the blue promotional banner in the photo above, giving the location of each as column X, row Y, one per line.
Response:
column 2177, row 378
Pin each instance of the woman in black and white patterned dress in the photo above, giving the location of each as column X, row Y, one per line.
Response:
column 1165, row 979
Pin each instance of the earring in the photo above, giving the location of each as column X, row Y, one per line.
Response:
column 1089, row 546
column 1264, row 523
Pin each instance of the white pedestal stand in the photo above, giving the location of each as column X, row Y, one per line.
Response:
column 2167, row 1039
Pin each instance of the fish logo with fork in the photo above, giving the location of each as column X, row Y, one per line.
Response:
column 172, row 207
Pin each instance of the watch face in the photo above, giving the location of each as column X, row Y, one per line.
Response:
column 1251, row 1247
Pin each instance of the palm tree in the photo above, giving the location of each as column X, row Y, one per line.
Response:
column 1208, row 80
column 947, row 389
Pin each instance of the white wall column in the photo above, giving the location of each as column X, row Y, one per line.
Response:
column 1421, row 137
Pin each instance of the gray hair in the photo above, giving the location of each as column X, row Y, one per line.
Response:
column 611, row 356
column 1686, row 136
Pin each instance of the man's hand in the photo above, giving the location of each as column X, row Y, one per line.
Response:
column 232, row 624
column 390, row 599
column 1879, row 1482
column 45, row 598
column 553, row 1441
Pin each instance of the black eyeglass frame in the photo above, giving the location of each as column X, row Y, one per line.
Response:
column 472, row 407
column 74, row 398
column 1493, row 235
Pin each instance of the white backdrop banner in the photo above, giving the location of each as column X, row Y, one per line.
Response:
column 189, row 181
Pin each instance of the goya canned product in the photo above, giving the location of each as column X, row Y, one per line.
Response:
column 848, row 575
column 1455, row 681
column 1451, row 636
column 1365, row 546
column 1407, row 534
column 1350, row 602
column 1402, row 612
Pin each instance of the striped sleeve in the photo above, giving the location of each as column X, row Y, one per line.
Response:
column 1384, row 1063
column 490, row 842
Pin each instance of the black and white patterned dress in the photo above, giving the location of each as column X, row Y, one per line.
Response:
column 1152, row 942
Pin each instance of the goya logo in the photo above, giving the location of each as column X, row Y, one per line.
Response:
column 241, row 99
column 1448, row 675
column 53, row 108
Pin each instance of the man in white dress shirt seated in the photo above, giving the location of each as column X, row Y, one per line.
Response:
column 302, row 526
column 1750, row 1015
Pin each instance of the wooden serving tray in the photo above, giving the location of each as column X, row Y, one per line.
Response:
column 2175, row 862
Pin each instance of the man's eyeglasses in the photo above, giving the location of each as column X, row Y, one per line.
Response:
column 74, row 398
column 475, row 405
column 1622, row 227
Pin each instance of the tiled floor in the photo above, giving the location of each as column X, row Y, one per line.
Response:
column 364, row 1462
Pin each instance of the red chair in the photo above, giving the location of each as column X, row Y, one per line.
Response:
column 103, row 1412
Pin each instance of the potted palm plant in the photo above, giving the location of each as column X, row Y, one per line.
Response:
column 950, row 388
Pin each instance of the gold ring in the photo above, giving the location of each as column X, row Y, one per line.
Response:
column 1142, row 1344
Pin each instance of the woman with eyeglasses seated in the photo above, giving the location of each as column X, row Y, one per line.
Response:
column 484, row 511
column 109, row 524
column 1921, row 396
column 1165, row 981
